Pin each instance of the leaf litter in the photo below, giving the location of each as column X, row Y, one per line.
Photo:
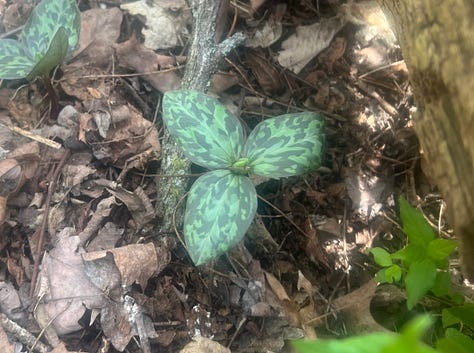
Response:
column 83, row 221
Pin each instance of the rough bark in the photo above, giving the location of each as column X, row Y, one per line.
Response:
column 437, row 41
column 202, row 61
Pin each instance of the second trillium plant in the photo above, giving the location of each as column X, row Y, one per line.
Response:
column 222, row 203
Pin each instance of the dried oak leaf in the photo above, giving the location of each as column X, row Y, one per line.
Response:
column 307, row 43
column 134, row 55
column 100, row 29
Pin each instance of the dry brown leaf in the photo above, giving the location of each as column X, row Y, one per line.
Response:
column 355, row 308
column 69, row 291
column 136, row 262
column 134, row 55
column 267, row 33
column 204, row 345
column 165, row 22
column 10, row 176
column 137, row 202
column 107, row 237
column 130, row 136
column 100, row 29
column 307, row 43
column 5, row 345
column 61, row 348
column 276, row 287
column 267, row 75
column 10, row 303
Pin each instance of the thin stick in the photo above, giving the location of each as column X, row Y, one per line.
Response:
column 30, row 135
column 51, row 187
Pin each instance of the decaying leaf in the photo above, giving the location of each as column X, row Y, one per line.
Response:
column 100, row 29
column 307, row 43
column 134, row 55
column 355, row 310
column 72, row 280
column 204, row 345
column 267, row 33
column 136, row 262
column 266, row 73
column 5, row 344
column 165, row 22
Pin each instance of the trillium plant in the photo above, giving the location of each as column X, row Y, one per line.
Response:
column 49, row 35
column 222, row 203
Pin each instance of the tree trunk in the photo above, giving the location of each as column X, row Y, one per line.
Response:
column 437, row 41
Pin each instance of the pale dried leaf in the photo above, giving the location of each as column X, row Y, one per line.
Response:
column 165, row 27
column 5, row 345
column 70, row 290
column 10, row 303
column 136, row 262
column 137, row 202
column 134, row 55
column 100, row 29
column 276, row 287
column 307, row 43
column 61, row 348
column 267, row 33
column 204, row 345
column 355, row 309
column 106, row 237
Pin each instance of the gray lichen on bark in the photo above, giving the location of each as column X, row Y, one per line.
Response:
column 202, row 62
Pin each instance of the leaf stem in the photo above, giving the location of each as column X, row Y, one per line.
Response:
column 52, row 95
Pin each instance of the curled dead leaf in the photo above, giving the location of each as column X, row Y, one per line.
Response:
column 10, row 176
column 11, row 179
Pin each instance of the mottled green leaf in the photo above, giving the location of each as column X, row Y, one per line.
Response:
column 13, row 62
column 43, row 24
column 54, row 55
column 287, row 145
column 219, row 210
column 51, row 32
column 208, row 133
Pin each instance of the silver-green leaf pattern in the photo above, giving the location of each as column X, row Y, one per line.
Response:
column 219, row 210
column 55, row 54
column 51, row 32
column 43, row 24
column 287, row 145
column 13, row 62
column 207, row 132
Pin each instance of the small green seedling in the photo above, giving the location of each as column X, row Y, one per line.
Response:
column 222, row 203
column 422, row 264
column 49, row 35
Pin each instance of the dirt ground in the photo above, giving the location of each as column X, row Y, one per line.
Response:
column 82, row 265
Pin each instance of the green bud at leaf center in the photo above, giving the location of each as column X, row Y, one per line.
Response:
column 241, row 166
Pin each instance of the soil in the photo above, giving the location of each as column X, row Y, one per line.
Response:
column 308, row 246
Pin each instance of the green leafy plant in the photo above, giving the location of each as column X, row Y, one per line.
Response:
column 49, row 35
column 381, row 342
column 455, row 319
column 222, row 203
column 422, row 265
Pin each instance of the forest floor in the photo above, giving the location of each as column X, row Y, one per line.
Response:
column 77, row 221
